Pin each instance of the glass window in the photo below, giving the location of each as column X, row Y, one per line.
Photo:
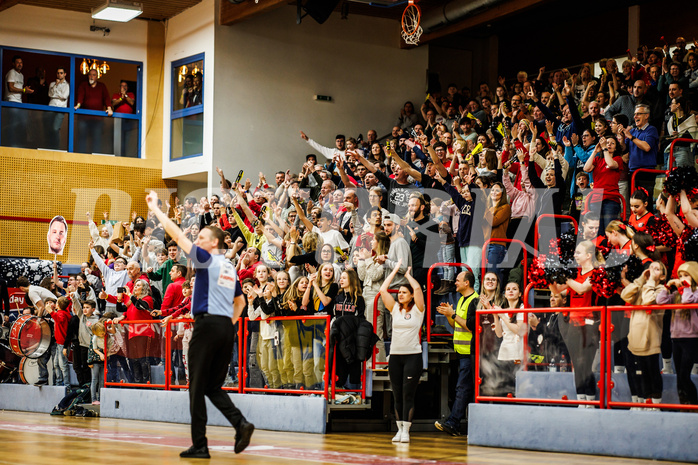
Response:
column 44, row 114
column 187, row 116
column 187, row 136
column 188, row 84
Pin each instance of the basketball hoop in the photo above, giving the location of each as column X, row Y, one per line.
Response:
column 411, row 30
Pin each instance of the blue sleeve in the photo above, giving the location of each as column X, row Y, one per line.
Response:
column 455, row 195
column 238, row 289
column 417, row 151
column 198, row 255
column 576, row 117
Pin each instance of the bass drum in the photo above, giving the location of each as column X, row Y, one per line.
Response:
column 30, row 336
column 29, row 370
column 9, row 362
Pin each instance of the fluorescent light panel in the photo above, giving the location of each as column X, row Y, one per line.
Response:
column 117, row 11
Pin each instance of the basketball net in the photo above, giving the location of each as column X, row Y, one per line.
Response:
column 411, row 30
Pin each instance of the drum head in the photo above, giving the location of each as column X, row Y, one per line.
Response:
column 29, row 370
column 32, row 336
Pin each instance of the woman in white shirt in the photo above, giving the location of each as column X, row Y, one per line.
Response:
column 510, row 327
column 405, row 363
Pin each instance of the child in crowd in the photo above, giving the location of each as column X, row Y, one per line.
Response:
column 645, row 333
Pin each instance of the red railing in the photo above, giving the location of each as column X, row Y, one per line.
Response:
column 642, row 170
column 617, row 195
column 609, row 357
column 671, row 149
column 429, row 292
column 554, row 217
column 374, row 363
column 507, row 241
column 519, row 400
column 605, row 383
column 242, row 376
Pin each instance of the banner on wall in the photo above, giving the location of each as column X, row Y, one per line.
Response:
column 57, row 235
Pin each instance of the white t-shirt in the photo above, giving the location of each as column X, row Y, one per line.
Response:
column 406, row 326
column 332, row 237
column 512, row 343
column 18, row 81
column 37, row 293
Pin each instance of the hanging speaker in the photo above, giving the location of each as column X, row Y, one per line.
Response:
column 320, row 10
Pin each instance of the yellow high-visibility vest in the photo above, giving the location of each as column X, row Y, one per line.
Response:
column 461, row 336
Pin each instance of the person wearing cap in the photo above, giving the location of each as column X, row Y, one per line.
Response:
column 399, row 252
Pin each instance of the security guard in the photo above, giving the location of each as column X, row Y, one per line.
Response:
column 463, row 321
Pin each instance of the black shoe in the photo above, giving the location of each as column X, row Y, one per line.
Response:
column 446, row 428
column 194, row 453
column 41, row 383
column 243, row 435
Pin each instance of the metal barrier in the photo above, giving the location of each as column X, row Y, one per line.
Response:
column 624, row 210
column 507, row 241
column 609, row 356
column 642, row 170
column 605, row 383
column 326, row 373
column 550, row 215
column 374, row 363
column 510, row 399
column 334, row 390
column 671, row 149
column 429, row 292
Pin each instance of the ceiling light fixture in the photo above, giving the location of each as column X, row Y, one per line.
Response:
column 116, row 10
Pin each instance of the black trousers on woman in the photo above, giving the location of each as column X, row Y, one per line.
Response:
column 404, row 372
column 582, row 343
column 210, row 349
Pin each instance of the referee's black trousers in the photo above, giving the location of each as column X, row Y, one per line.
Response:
column 210, row 350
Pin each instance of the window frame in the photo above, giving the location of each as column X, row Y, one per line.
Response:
column 70, row 109
column 184, row 112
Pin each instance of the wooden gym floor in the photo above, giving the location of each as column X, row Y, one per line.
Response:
column 30, row 438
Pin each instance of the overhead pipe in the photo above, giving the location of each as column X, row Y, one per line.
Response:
column 454, row 11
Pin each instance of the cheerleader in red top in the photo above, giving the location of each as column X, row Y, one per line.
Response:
column 640, row 217
column 619, row 235
column 580, row 330
column 137, row 307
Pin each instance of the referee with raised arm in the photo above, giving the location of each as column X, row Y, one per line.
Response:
column 217, row 303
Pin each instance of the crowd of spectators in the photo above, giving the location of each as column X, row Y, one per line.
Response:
column 468, row 169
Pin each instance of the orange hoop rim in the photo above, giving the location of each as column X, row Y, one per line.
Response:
column 413, row 14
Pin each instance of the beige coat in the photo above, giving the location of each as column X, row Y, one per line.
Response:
column 645, row 335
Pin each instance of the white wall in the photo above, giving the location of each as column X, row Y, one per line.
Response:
column 268, row 69
column 190, row 33
column 69, row 32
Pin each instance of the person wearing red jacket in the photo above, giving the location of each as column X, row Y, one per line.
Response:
column 137, row 306
column 61, row 317
column 173, row 295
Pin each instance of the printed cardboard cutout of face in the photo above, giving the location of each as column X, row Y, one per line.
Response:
column 57, row 235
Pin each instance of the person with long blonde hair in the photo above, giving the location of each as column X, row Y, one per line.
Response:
column 320, row 297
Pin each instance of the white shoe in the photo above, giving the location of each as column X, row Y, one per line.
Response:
column 581, row 397
column 405, row 437
column 398, row 435
column 667, row 369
